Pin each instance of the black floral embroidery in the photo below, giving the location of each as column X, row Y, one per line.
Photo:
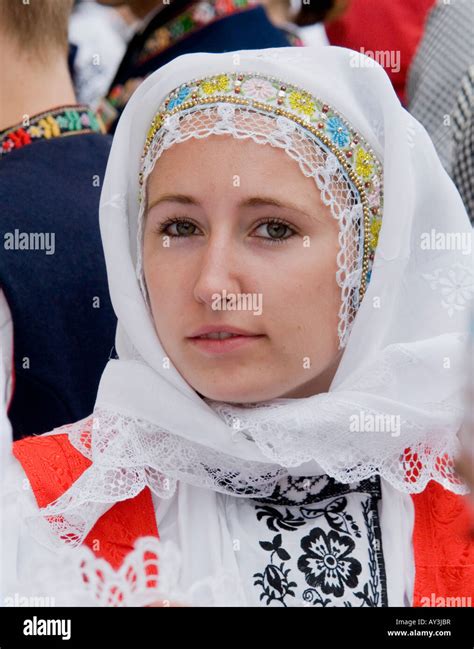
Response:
column 280, row 519
column 326, row 562
column 313, row 597
column 274, row 579
column 335, row 515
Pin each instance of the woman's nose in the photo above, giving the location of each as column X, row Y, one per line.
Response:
column 218, row 273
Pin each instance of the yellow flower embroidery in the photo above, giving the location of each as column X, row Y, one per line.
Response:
column 301, row 102
column 34, row 131
column 364, row 164
column 50, row 127
column 374, row 232
column 220, row 83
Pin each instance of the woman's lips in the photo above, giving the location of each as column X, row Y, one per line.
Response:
column 222, row 346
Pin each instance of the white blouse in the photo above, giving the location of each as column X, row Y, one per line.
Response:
column 284, row 554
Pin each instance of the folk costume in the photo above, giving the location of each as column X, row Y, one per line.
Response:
column 305, row 501
column 52, row 268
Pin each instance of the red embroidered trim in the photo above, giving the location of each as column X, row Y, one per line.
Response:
column 52, row 465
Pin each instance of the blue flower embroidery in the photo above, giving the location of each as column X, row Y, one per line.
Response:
column 180, row 97
column 337, row 131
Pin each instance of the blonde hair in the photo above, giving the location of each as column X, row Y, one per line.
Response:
column 37, row 26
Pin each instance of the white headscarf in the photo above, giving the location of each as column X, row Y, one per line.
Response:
column 403, row 353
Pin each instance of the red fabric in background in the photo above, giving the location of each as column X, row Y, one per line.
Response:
column 379, row 25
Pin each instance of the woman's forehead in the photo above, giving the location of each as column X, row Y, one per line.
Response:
column 226, row 152
column 245, row 173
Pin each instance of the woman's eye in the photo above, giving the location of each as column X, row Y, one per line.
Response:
column 179, row 228
column 272, row 231
column 275, row 231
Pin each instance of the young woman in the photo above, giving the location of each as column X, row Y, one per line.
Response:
column 288, row 390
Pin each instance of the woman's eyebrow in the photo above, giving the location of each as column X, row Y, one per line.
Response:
column 173, row 198
column 253, row 201
column 263, row 201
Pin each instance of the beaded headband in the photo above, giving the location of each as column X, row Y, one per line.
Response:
column 268, row 95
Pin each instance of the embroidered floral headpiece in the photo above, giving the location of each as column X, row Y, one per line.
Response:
column 326, row 126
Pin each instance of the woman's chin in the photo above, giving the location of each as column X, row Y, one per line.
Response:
column 235, row 396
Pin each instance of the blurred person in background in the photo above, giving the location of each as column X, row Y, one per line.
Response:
column 441, row 90
column 307, row 20
column 169, row 29
column 387, row 30
column 98, row 37
column 52, row 160
column 462, row 171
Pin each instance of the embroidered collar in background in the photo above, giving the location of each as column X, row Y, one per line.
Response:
column 192, row 19
column 75, row 119
column 326, row 125
column 195, row 17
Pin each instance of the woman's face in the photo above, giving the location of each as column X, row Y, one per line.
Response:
column 235, row 224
